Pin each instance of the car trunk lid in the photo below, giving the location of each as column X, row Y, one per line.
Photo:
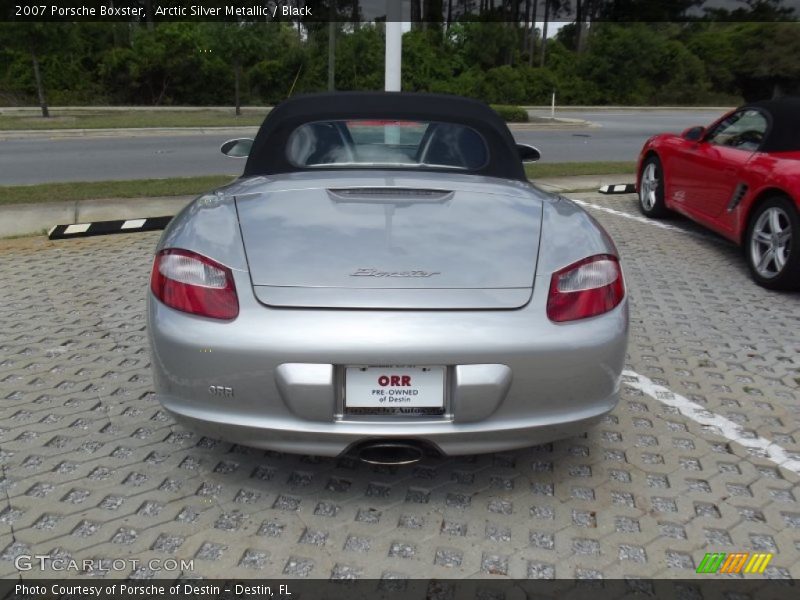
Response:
column 391, row 247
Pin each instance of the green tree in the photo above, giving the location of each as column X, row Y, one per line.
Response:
column 283, row 57
column 200, row 64
column 712, row 44
column 238, row 45
column 34, row 40
column 640, row 64
column 484, row 44
column 360, row 59
column 429, row 62
column 754, row 11
column 168, row 64
column 768, row 62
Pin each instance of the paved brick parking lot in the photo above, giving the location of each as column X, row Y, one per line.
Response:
column 93, row 468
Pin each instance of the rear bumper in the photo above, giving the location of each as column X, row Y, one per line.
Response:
column 333, row 439
column 515, row 378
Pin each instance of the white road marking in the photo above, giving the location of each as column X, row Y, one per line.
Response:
column 133, row 224
column 78, row 228
column 719, row 424
column 642, row 219
column 619, row 213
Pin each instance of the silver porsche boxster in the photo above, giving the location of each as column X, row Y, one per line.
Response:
column 384, row 281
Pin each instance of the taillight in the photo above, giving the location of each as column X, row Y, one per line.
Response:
column 190, row 282
column 589, row 287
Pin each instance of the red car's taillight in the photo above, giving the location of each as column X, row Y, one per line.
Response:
column 589, row 287
column 190, row 282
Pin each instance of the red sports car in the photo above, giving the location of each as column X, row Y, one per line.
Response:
column 740, row 177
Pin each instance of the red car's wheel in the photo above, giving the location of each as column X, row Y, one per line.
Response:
column 651, row 189
column 772, row 244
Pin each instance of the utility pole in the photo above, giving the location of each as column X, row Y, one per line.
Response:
column 393, row 63
column 394, row 47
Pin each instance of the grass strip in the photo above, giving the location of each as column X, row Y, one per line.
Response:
column 87, row 190
column 187, row 186
column 574, row 169
column 118, row 119
column 132, row 119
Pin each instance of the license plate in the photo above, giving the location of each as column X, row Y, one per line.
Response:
column 394, row 390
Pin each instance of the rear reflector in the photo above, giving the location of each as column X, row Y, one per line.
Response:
column 193, row 283
column 587, row 288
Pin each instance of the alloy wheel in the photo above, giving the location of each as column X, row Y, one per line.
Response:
column 649, row 187
column 771, row 242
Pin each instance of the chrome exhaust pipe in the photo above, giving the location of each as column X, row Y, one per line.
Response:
column 390, row 453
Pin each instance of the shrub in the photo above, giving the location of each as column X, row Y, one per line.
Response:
column 512, row 114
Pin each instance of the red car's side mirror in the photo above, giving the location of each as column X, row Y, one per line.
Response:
column 694, row 134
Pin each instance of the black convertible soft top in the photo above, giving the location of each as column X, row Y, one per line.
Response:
column 268, row 154
column 783, row 132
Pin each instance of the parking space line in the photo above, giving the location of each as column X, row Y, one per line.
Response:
column 719, row 424
column 642, row 219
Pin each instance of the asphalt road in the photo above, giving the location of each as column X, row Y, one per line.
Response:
column 619, row 136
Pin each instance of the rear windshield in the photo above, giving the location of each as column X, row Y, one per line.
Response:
column 387, row 143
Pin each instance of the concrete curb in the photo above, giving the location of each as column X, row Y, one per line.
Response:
column 32, row 219
column 547, row 108
column 249, row 130
column 561, row 185
column 552, row 123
